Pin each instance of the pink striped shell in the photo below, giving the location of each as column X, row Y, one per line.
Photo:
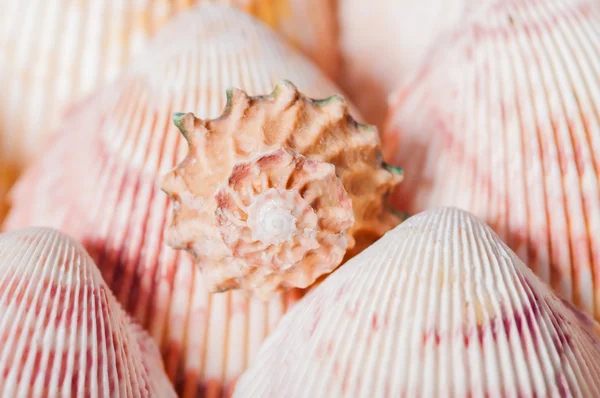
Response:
column 98, row 178
column 62, row 332
column 57, row 51
column 504, row 120
column 439, row 307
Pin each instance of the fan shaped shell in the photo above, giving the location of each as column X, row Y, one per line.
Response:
column 54, row 52
column 62, row 332
column 97, row 181
column 503, row 120
column 438, row 307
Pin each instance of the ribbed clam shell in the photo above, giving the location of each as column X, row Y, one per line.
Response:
column 504, row 121
column 56, row 51
column 62, row 332
column 98, row 181
column 323, row 173
column 382, row 43
column 439, row 307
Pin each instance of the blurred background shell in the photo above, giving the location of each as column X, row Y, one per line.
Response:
column 382, row 43
column 504, row 120
column 438, row 307
column 97, row 180
column 62, row 332
column 56, row 51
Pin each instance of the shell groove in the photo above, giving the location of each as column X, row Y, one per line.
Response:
column 504, row 121
column 438, row 307
column 57, row 51
column 62, row 332
column 322, row 174
column 375, row 61
column 97, row 181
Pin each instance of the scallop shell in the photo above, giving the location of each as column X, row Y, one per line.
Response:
column 503, row 121
column 273, row 192
column 97, row 181
column 60, row 50
column 375, row 60
column 62, row 332
column 438, row 307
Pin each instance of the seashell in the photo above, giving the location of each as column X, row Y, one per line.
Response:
column 438, row 307
column 258, row 201
column 62, row 332
column 375, row 61
column 503, row 120
column 97, row 181
column 59, row 51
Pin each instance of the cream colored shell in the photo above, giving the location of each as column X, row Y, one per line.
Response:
column 62, row 332
column 330, row 172
column 97, row 181
column 439, row 307
column 58, row 51
column 382, row 44
column 504, row 120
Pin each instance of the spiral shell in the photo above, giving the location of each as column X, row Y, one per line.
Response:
column 57, row 51
column 97, row 181
column 438, row 307
column 254, row 127
column 503, row 121
column 62, row 332
column 382, row 44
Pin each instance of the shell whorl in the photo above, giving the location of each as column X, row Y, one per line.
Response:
column 438, row 307
column 62, row 332
column 314, row 150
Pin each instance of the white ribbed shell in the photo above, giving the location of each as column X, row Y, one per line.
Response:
column 439, row 307
column 383, row 42
column 504, row 121
column 56, row 51
column 98, row 182
column 62, row 332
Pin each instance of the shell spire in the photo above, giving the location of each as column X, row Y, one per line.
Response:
column 273, row 192
column 503, row 120
column 62, row 332
column 438, row 307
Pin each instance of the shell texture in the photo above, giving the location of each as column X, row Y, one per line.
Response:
column 383, row 43
column 261, row 198
column 504, row 121
column 58, row 51
column 62, row 332
column 98, row 181
column 439, row 307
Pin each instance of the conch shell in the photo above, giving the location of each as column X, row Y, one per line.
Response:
column 54, row 52
column 62, row 332
column 383, row 43
column 504, row 121
column 97, row 181
column 265, row 197
column 438, row 307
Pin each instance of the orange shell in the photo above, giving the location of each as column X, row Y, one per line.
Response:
column 504, row 120
column 97, row 181
column 251, row 128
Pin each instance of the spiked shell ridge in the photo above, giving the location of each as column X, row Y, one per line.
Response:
column 297, row 148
